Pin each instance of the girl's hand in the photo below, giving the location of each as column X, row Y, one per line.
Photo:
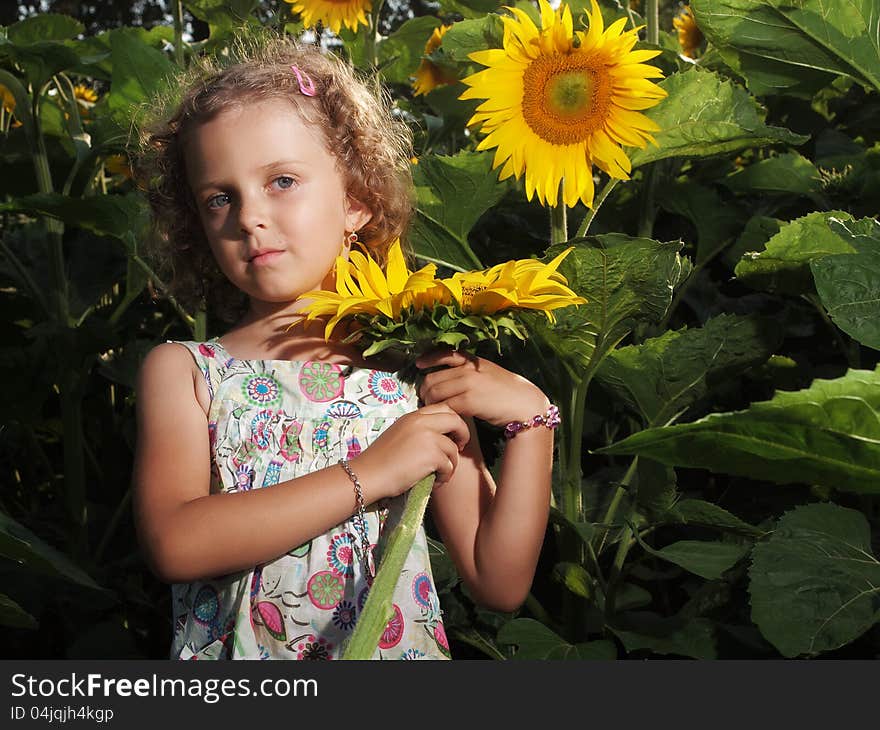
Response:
column 475, row 387
column 417, row 444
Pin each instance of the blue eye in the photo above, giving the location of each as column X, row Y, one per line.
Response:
column 217, row 201
column 284, row 182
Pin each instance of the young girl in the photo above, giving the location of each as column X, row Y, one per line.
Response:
column 265, row 172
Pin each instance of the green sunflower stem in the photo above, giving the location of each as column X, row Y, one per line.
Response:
column 559, row 219
column 377, row 610
column 597, row 203
column 652, row 21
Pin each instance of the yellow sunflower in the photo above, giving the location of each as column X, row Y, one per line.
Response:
column 428, row 75
column 363, row 288
column 333, row 14
column 7, row 100
column 85, row 95
column 690, row 37
column 521, row 284
column 558, row 102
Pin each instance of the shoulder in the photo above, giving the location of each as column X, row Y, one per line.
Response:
column 170, row 369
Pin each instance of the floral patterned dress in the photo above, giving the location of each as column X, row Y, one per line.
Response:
column 271, row 421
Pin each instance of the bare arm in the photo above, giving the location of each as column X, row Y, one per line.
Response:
column 188, row 533
column 494, row 533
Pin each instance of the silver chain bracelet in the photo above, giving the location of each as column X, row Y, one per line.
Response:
column 360, row 520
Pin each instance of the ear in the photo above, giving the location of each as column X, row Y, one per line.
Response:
column 357, row 215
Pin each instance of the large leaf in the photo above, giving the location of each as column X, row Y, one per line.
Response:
column 20, row 545
column 453, row 192
column 785, row 45
column 815, row 585
column 784, row 264
column 402, row 51
column 469, row 36
column 625, row 281
column 705, row 115
column 36, row 45
column 786, row 173
column 827, row 434
column 536, row 641
column 139, row 71
column 704, row 558
column 120, row 216
column 849, row 284
column 660, row 378
column 708, row 514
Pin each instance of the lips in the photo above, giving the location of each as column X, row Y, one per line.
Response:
column 264, row 256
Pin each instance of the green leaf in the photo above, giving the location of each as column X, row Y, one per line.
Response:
column 754, row 237
column 139, row 71
column 705, row 115
column 44, row 27
column 575, row 578
column 786, row 173
column 655, row 486
column 662, row 377
column 625, row 281
column 849, row 284
column 20, row 545
column 815, row 583
column 222, row 13
column 704, row 558
column 120, row 216
column 827, row 434
column 470, row 8
column 469, row 36
column 536, row 641
column 707, row 514
column 453, row 192
column 784, row 45
column 402, row 51
column 14, row 616
column 784, row 264
column 692, row 200
column 694, row 638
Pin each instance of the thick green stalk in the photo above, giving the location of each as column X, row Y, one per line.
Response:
column 377, row 610
column 559, row 219
column 652, row 21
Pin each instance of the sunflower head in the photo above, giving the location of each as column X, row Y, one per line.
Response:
column 411, row 312
column 333, row 14
column 558, row 101
column 690, row 37
column 429, row 75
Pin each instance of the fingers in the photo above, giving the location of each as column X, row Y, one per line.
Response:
column 447, row 466
column 450, row 358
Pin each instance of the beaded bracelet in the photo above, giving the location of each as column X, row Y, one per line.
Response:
column 550, row 419
column 360, row 518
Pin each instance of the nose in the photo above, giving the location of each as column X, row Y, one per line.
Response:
column 251, row 215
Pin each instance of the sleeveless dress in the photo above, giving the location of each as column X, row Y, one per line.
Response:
column 274, row 420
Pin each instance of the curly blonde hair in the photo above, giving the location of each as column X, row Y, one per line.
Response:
column 371, row 146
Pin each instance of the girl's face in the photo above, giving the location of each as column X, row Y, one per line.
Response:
column 272, row 202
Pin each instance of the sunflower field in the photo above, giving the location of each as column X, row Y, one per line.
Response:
column 715, row 167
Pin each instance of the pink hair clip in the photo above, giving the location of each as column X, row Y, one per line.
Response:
column 308, row 88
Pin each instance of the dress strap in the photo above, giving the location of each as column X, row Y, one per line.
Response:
column 211, row 358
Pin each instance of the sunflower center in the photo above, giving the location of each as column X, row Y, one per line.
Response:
column 566, row 97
